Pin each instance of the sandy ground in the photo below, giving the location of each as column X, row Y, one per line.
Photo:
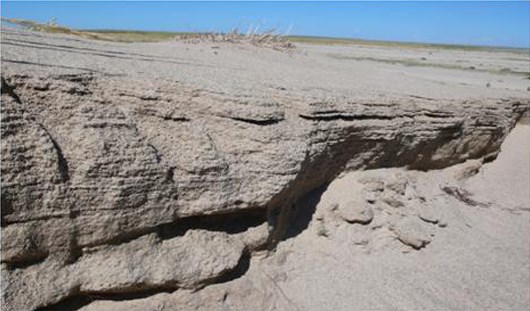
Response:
column 480, row 261
column 505, row 181
column 358, row 72
column 477, row 256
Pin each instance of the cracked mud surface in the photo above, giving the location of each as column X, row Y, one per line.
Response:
column 165, row 177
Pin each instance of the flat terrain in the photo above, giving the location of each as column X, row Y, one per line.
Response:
column 356, row 71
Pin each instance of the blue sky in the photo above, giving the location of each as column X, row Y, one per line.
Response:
column 476, row 23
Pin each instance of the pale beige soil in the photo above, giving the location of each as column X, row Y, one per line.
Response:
column 210, row 176
column 478, row 259
column 354, row 71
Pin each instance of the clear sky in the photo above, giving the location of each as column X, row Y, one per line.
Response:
column 476, row 23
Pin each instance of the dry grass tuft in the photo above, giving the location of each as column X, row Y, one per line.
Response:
column 266, row 39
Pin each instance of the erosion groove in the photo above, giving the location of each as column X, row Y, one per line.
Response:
column 257, row 122
column 344, row 116
column 131, row 183
column 61, row 161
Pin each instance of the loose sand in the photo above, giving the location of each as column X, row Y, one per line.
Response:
column 479, row 261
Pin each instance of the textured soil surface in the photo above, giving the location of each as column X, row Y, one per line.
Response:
column 477, row 257
column 217, row 176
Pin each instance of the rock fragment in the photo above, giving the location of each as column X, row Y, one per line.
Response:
column 392, row 199
column 412, row 232
column 355, row 212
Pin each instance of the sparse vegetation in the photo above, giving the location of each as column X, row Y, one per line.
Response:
column 395, row 44
column 262, row 38
column 51, row 27
column 133, row 36
column 423, row 63
column 268, row 38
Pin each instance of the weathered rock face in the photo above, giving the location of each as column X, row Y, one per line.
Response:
column 108, row 190
column 141, row 169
